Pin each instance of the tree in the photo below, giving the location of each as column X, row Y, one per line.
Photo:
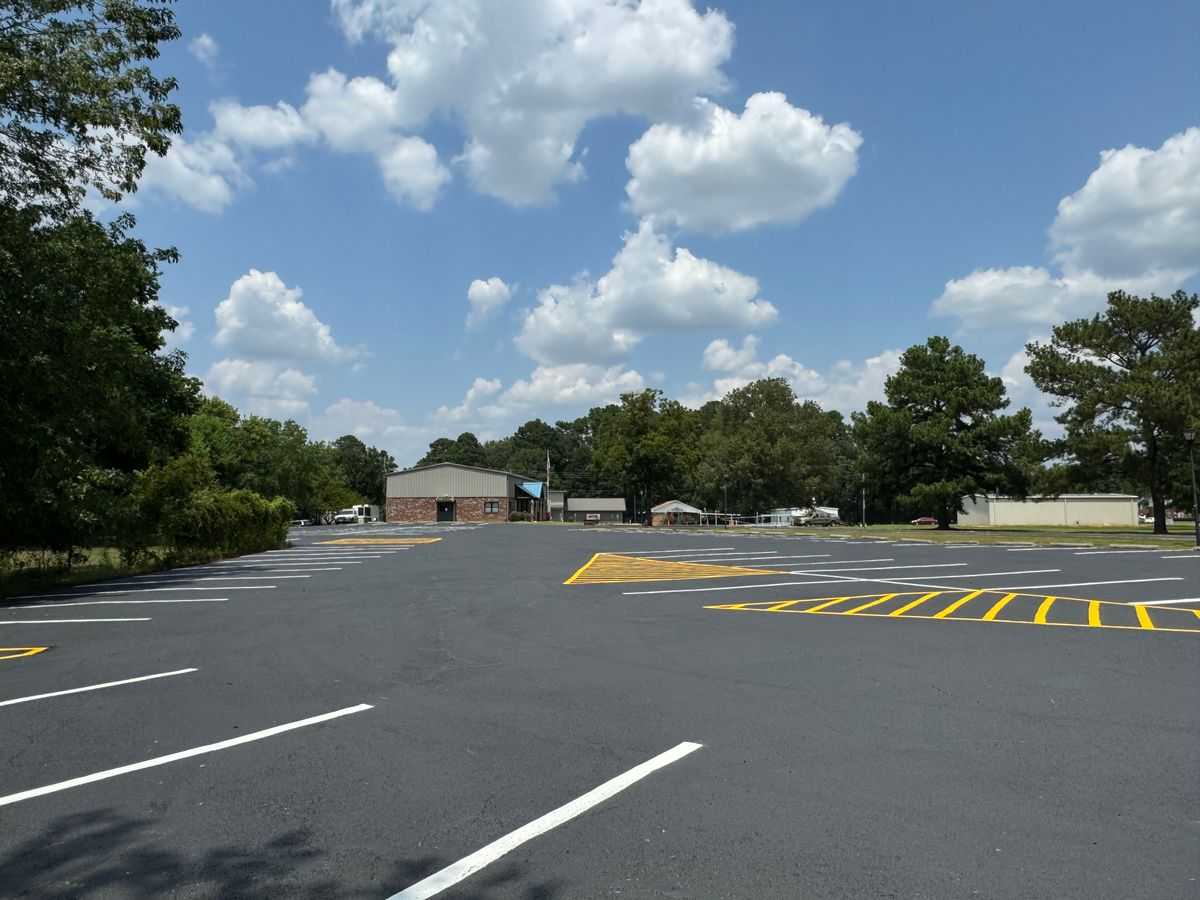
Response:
column 365, row 468
column 1130, row 375
column 78, row 106
column 86, row 395
column 941, row 437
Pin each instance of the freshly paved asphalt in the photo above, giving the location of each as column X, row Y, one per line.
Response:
column 843, row 757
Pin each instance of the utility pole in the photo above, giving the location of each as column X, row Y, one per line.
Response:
column 864, row 499
column 1190, row 436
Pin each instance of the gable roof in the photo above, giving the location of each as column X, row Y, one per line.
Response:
column 458, row 466
column 675, row 506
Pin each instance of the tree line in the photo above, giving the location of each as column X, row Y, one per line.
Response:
column 1127, row 381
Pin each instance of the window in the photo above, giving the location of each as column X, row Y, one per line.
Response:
column 491, row 506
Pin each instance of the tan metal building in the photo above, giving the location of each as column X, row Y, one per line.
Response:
column 1065, row 509
column 609, row 509
column 451, row 492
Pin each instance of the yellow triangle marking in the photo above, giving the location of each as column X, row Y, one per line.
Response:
column 18, row 652
column 612, row 568
column 366, row 540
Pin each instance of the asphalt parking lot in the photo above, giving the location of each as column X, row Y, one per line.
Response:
column 544, row 712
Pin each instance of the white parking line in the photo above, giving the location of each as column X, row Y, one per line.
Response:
column 995, row 574
column 122, row 602
column 182, row 754
column 1109, row 552
column 62, row 621
column 1025, row 587
column 846, row 562
column 226, row 587
column 1042, row 549
column 642, row 552
column 1180, row 554
column 248, row 577
column 485, row 856
column 740, row 560
column 1164, row 602
column 882, row 568
column 95, row 687
column 747, row 587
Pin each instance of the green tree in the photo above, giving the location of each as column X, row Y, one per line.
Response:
column 940, row 435
column 1127, row 378
column 365, row 468
column 79, row 107
column 87, row 397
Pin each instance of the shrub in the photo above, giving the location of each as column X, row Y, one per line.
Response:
column 520, row 517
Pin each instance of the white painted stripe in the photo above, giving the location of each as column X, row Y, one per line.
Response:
column 248, row 577
column 90, row 593
column 991, row 574
column 1108, row 552
column 747, row 587
column 846, row 562
column 95, row 687
column 469, row 865
column 182, row 754
column 1164, row 602
column 1063, row 549
column 1025, row 587
column 882, row 568
column 121, row 602
column 1180, row 554
column 642, row 552
column 740, row 560
column 61, row 621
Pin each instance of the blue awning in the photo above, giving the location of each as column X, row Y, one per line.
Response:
column 533, row 489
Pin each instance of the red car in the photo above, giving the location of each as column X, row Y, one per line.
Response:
column 924, row 520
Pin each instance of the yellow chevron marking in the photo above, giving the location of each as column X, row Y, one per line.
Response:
column 613, row 568
column 1098, row 613
column 18, row 652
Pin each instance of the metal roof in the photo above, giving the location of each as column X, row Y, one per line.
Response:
column 675, row 506
column 458, row 466
column 596, row 504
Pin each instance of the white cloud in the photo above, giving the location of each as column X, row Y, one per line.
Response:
column 651, row 287
column 362, row 418
column 353, row 114
column 204, row 173
column 205, row 49
column 486, row 298
column 263, row 318
column 261, row 388
column 525, row 76
column 411, row 172
column 846, row 386
column 1134, row 226
column 1138, row 213
column 577, row 386
column 267, row 127
column 774, row 163
column 183, row 330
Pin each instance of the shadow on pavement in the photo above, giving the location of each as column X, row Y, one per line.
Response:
column 103, row 854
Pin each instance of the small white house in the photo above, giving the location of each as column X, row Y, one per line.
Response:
column 1065, row 509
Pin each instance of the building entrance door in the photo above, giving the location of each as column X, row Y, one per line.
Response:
column 445, row 510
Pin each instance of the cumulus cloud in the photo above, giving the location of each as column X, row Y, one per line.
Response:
column 261, row 387
column 1134, row 226
column 268, row 127
column 183, row 330
column 411, row 172
column 524, row 77
column 364, row 419
column 205, row 49
column 774, row 163
column 490, row 406
column 204, row 173
column 263, row 318
column 651, row 287
column 846, row 386
column 486, row 298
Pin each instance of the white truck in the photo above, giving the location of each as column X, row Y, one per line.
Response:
column 353, row 515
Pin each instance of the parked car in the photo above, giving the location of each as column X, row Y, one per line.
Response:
column 300, row 523
column 924, row 520
column 346, row 517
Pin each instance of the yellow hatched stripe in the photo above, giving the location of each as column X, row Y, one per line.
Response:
column 902, row 610
column 1144, row 618
column 1039, row 618
column 821, row 606
column 582, row 569
column 1094, row 613
column 784, row 605
column 956, row 604
column 18, row 652
column 991, row 614
column 859, row 609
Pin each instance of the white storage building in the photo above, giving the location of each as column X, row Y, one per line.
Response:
column 1065, row 509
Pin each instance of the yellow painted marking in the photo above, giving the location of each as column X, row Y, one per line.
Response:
column 1039, row 618
column 784, row 605
column 859, row 609
column 956, row 604
column 18, row 652
column 1094, row 613
column 990, row 615
column 383, row 540
column 1197, row 612
column 822, row 606
column 906, row 607
column 1144, row 618
column 614, row 568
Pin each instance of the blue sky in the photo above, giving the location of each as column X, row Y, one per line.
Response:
column 410, row 219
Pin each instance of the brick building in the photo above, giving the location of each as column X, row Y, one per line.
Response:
column 450, row 492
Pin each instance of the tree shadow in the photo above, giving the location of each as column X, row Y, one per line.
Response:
column 102, row 854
